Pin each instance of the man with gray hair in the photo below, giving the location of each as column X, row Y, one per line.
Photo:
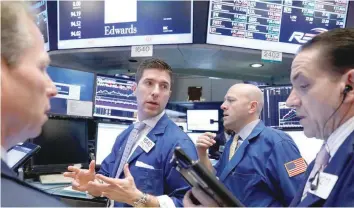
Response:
column 261, row 166
column 25, row 92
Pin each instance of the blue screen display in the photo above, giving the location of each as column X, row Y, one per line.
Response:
column 75, row 92
column 275, row 112
column 272, row 25
column 115, row 98
column 116, row 23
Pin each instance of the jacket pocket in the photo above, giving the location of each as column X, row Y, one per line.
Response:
column 243, row 185
column 149, row 181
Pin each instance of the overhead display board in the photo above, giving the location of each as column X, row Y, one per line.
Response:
column 85, row 24
column 272, row 25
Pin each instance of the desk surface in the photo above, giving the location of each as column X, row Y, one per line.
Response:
column 59, row 190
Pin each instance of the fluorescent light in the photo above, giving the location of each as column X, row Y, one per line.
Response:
column 256, row 65
column 214, row 78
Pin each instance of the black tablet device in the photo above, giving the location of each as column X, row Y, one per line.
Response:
column 197, row 175
column 19, row 154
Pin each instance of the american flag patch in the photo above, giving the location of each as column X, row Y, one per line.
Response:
column 296, row 167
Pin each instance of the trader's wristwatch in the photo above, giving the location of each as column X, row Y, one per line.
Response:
column 142, row 201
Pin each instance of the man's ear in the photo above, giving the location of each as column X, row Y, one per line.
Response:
column 253, row 106
column 134, row 88
column 349, row 81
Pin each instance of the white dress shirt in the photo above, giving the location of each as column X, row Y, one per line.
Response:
column 164, row 200
column 246, row 131
column 334, row 141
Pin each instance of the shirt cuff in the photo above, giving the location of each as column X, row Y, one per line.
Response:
column 165, row 201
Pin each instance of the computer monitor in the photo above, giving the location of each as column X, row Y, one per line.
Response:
column 203, row 120
column 114, row 98
column 107, row 134
column 75, row 92
column 62, row 142
column 276, row 113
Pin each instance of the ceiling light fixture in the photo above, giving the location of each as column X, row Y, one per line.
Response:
column 256, row 65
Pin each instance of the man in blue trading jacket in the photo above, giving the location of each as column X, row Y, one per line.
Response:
column 324, row 66
column 25, row 92
column 147, row 146
column 261, row 166
column 322, row 75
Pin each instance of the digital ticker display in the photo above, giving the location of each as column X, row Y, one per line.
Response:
column 115, row 98
column 272, row 25
column 83, row 24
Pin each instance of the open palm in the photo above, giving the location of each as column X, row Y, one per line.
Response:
column 81, row 176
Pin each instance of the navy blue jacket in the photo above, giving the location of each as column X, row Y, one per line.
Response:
column 16, row 193
column 342, row 194
column 163, row 179
column 256, row 174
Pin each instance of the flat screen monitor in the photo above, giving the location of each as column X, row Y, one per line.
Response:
column 275, row 112
column 203, row 120
column 62, row 142
column 114, row 98
column 85, row 24
column 41, row 18
column 107, row 134
column 272, row 25
column 75, row 92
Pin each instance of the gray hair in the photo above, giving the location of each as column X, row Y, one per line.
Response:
column 15, row 35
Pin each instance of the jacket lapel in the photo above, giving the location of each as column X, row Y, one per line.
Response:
column 335, row 167
column 300, row 190
column 241, row 151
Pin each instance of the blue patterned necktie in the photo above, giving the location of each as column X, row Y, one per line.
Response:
column 133, row 137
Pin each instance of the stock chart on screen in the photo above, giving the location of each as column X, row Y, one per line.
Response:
column 287, row 116
column 115, row 98
column 275, row 112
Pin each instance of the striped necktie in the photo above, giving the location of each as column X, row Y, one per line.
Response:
column 234, row 146
column 133, row 137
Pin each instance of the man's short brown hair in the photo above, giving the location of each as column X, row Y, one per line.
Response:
column 336, row 49
column 152, row 64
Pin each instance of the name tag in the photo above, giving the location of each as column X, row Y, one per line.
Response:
column 325, row 185
column 146, row 144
